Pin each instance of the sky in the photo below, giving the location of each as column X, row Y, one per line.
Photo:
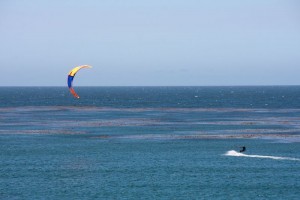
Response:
column 150, row 42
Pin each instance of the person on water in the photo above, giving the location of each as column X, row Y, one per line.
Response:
column 243, row 148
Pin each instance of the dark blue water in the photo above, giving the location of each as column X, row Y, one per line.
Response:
column 150, row 143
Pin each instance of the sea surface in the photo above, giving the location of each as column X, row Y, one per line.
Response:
column 150, row 143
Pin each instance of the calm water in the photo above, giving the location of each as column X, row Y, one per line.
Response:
column 150, row 143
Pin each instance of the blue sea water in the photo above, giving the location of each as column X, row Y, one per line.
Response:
column 150, row 143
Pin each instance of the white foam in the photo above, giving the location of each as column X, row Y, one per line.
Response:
column 235, row 153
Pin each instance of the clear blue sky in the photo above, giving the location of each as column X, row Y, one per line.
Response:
column 150, row 42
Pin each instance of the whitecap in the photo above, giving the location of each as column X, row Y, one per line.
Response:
column 238, row 154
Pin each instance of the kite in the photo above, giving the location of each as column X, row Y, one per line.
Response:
column 71, row 76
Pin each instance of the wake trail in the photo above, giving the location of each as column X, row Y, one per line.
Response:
column 238, row 154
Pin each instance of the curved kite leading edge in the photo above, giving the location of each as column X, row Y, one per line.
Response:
column 71, row 76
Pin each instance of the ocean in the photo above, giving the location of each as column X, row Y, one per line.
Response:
column 150, row 143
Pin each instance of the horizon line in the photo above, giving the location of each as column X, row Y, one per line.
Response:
column 156, row 85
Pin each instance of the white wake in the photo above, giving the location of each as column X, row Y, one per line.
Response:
column 235, row 153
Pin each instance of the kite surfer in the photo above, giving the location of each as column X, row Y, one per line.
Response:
column 243, row 148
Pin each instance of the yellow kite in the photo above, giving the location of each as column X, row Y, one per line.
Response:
column 71, row 76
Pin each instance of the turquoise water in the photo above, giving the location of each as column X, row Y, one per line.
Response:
column 150, row 143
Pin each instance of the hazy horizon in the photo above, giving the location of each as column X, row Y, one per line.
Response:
column 156, row 86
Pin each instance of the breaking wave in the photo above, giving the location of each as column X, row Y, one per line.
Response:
column 237, row 154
